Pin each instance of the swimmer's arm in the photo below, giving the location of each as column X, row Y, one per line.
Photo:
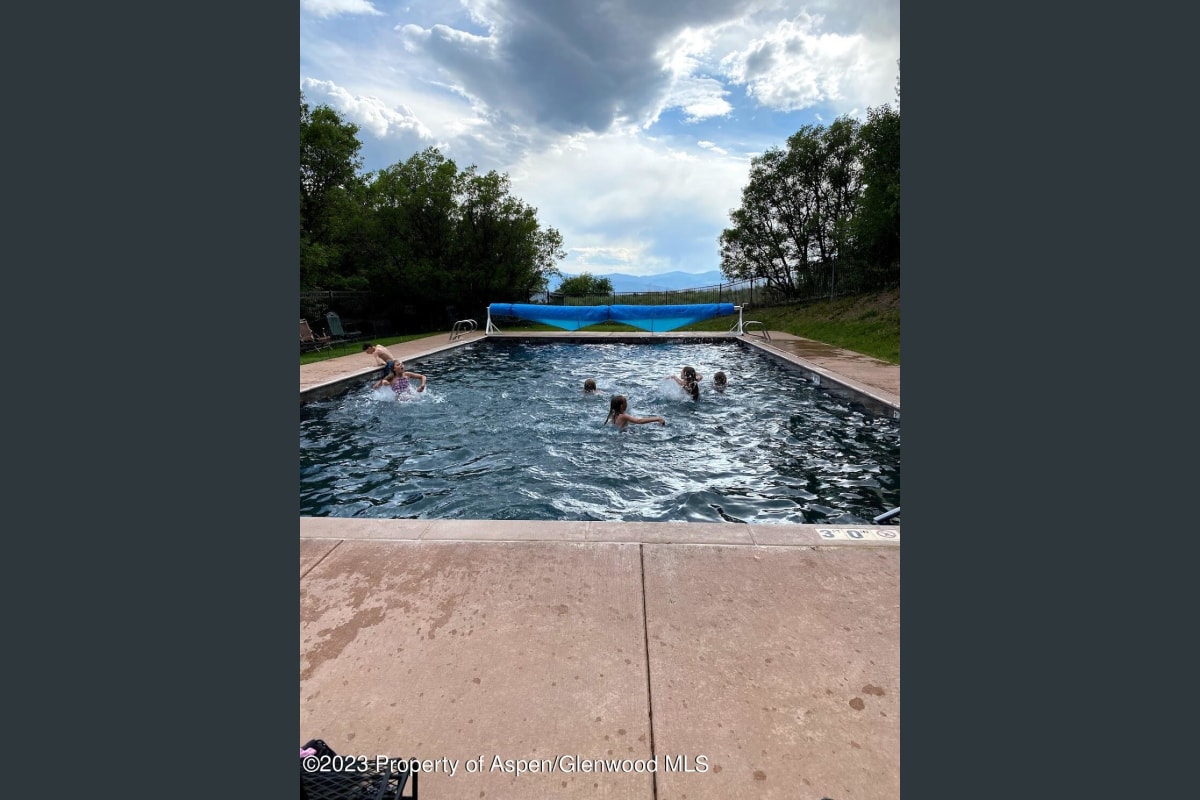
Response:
column 644, row 420
column 420, row 388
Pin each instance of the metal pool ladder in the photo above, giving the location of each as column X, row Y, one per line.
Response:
column 462, row 328
column 739, row 327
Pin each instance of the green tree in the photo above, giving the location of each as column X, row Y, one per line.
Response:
column 878, row 222
column 585, row 284
column 840, row 187
column 502, row 254
column 820, row 213
column 410, row 232
column 419, row 235
column 769, row 238
column 329, row 181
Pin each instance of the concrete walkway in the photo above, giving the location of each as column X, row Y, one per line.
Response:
column 530, row 659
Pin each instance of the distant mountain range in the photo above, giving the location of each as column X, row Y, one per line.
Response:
column 666, row 281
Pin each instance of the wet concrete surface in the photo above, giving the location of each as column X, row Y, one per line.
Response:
column 448, row 651
column 780, row 665
column 875, row 381
column 736, row 671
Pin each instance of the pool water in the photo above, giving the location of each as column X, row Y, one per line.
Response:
column 504, row 431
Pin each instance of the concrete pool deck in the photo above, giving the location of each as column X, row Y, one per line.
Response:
column 736, row 660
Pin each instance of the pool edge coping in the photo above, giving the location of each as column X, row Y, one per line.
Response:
column 805, row 535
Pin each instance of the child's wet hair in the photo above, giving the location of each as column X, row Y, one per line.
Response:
column 719, row 379
column 589, row 385
column 689, row 374
column 616, row 406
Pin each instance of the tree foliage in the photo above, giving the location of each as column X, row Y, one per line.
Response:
column 585, row 284
column 878, row 222
column 329, row 164
column 420, row 235
column 822, row 210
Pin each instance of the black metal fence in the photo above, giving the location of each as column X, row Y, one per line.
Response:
column 736, row 293
column 373, row 315
column 753, row 292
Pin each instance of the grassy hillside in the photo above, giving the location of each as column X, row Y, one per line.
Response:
column 868, row 324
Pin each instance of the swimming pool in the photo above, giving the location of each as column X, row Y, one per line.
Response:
column 504, row 431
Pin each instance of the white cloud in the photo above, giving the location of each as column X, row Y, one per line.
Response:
column 624, row 192
column 699, row 98
column 565, row 97
column 799, row 65
column 371, row 113
column 620, row 256
column 332, row 8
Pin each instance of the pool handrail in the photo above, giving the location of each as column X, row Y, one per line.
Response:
column 887, row 514
column 739, row 327
column 463, row 327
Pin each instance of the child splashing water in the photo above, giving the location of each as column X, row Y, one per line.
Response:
column 400, row 382
column 617, row 408
column 689, row 380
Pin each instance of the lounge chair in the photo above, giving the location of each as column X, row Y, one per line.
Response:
column 335, row 327
column 310, row 341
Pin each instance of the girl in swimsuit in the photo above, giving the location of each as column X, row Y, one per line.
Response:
column 616, row 414
column 399, row 379
column 689, row 380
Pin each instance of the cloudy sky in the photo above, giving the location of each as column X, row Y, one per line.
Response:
column 628, row 124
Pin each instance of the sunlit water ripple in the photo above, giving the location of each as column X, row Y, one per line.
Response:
column 504, row 431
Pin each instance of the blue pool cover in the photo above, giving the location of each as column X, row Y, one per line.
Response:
column 648, row 318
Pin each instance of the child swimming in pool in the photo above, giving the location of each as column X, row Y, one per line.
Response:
column 398, row 379
column 616, row 414
column 689, row 379
column 720, row 381
column 589, row 387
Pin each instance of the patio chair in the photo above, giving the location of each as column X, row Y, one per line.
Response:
column 335, row 327
column 311, row 341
